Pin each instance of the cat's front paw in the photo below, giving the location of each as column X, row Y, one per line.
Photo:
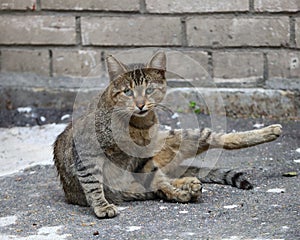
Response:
column 107, row 211
column 190, row 187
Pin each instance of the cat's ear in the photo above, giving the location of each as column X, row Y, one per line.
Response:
column 115, row 67
column 158, row 61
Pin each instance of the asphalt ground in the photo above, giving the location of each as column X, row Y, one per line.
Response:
column 32, row 203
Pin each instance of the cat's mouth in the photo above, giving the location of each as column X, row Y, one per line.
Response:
column 141, row 113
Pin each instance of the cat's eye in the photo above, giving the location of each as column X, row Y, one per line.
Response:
column 149, row 90
column 128, row 92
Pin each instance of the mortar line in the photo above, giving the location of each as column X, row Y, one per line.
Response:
column 38, row 5
column 292, row 32
column 78, row 31
column 104, row 13
column 127, row 47
column 184, row 41
column 265, row 68
column 210, row 64
column 0, row 60
column 102, row 59
column 251, row 6
column 50, row 63
column 143, row 7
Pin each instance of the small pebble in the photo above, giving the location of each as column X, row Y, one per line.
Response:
column 167, row 127
column 258, row 125
column 162, row 207
column 230, row 206
column 276, row 190
column 24, row 109
column 133, row 228
column 43, row 119
column 183, row 212
column 64, row 117
column 175, row 115
column 122, row 208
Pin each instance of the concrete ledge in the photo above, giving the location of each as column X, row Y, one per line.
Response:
column 236, row 102
column 244, row 102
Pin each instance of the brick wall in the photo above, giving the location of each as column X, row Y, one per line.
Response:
column 241, row 43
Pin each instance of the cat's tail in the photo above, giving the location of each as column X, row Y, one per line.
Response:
column 223, row 176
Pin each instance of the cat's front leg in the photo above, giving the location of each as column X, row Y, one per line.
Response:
column 91, row 181
column 178, row 190
column 96, row 198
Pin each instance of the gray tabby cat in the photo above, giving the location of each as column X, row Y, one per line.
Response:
column 115, row 152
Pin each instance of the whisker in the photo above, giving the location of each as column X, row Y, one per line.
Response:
column 122, row 113
column 164, row 108
column 170, row 114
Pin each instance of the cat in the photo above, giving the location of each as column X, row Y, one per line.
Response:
column 116, row 152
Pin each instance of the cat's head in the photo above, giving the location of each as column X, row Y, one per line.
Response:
column 137, row 88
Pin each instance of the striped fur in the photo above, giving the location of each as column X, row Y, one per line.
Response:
column 115, row 152
column 233, row 177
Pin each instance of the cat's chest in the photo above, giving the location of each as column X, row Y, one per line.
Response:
column 140, row 137
column 125, row 160
column 130, row 151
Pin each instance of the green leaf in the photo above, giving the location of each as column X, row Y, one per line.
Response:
column 192, row 104
column 198, row 110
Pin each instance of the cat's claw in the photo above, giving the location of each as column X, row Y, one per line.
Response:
column 107, row 211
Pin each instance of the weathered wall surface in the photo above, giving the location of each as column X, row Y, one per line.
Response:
column 241, row 43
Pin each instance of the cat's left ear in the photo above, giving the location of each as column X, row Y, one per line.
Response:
column 115, row 67
column 158, row 61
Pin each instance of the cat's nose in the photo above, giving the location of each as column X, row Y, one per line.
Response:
column 140, row 106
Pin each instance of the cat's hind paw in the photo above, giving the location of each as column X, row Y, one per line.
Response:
column 272, row 132
column 276, row 129
column 107, row 211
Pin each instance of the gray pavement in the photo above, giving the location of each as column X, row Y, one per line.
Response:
column 32, row 203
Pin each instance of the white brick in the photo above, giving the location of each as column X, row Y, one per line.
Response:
column 79, row 5
column 284, row 64
column 276, row 5
column 219, row 32
column 37, row 30
column 187, row 6
column 25, row 61
column 131, row 31
column 17, row 4
column 238, row 67
column 78, row 63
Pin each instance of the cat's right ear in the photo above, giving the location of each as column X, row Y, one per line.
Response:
column 158, row 61
column 115, row 67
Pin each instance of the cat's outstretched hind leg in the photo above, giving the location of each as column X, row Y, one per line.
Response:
column 245, row 139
